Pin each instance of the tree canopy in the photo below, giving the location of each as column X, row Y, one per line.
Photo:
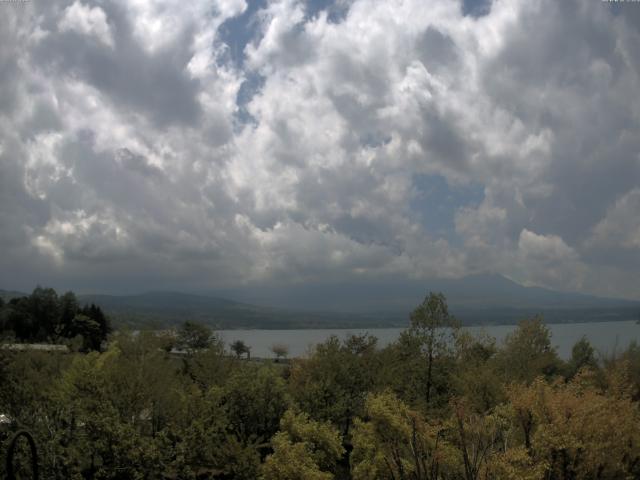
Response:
column 44, row 316
column 437, row 404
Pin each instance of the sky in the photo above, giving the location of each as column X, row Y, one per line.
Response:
column 232, row 144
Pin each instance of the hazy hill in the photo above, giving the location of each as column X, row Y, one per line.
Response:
column 7, row 295
column 474, row 291
column 169, row 308
column 477, row 299
column 497, row 290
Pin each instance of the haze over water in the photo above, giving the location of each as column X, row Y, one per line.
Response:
column 604, row 336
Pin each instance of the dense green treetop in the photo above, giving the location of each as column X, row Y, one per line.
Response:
column 44, row 316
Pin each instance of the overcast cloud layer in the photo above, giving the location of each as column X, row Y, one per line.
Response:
column 201, row 145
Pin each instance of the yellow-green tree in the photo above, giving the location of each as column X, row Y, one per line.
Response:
column 193, row 438
column 303, row 449
column 395, row 442
column 477, row 437
column 577, row 431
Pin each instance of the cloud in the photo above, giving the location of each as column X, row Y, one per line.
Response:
column 620, row 227
column 548, row 260
column 86, row 21
column 163, row 144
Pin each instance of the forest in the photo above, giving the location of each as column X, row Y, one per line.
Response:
column 437, row 404
column 44, row 316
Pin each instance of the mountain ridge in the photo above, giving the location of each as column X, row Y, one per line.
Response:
column 475, row 299
column 478, row 291
column 479, row 299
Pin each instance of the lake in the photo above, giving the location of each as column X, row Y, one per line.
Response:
column 604, row 336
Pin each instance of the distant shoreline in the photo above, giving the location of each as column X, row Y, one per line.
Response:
column 365, row 326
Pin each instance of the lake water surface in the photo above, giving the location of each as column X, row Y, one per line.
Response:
column 604, row 336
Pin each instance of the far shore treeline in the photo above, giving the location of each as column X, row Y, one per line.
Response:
column 436, row 404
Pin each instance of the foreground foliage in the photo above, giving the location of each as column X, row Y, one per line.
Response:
column 438, row 404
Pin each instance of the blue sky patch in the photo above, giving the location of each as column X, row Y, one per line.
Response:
column 435, row 203
column 476, row 8
column 336, row 11
column 252, row 85
column 238, row 32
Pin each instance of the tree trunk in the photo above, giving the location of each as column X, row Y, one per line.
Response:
column 429, row 367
